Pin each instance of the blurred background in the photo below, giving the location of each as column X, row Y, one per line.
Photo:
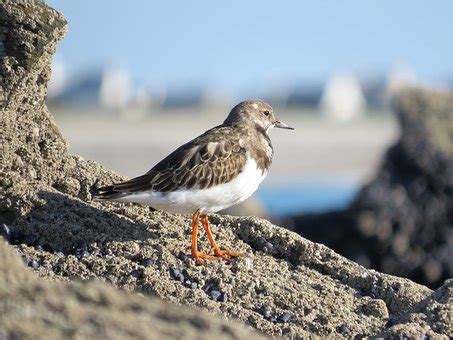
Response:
column 131, row 83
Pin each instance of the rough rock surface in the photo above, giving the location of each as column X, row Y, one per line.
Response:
column 402, row 222
column 33, row 308
column 285, row 285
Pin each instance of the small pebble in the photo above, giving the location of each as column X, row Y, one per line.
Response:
column 263, row 244
column 148, row 262
column 266, row 312
column 344, row 330
column 285, row 317
column 5, row 232
column 81, row 253
column 174, row 273
column 182, row 256
column 207, row 287
column 48, row 267
column 33, row 264
column 137, row 273
column 269, row 246
column 214, row 294
column 180, row 277
column 223, row 297
column 39, row 248
column 194, row 285
column 94, row 251
column 108, row 252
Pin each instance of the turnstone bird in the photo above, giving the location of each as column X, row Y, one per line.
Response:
column 218, row 169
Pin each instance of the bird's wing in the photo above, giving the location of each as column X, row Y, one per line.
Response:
column 202, row 163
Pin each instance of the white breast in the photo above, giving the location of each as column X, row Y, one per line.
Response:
column 217, row 198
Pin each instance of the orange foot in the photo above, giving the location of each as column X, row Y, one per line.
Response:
column 200, row 257
column 226, row 254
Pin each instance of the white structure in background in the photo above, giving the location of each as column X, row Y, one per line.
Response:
column 342, row 98
column 399, row 79
column 116, row 89
column 58, row 79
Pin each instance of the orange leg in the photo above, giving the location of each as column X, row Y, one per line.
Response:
column 198, row 256
column 222, row 253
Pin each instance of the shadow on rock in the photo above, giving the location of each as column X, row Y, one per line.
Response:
column 65, row 224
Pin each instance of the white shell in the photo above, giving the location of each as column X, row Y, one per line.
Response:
column 185, row 201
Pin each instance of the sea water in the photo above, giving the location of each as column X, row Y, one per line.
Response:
column 300, row 198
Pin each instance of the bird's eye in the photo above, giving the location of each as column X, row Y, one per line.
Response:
column 266, row 113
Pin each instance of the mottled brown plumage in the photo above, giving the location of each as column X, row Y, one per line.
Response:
column 215, row 157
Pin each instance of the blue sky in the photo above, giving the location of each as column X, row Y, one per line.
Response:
column 239, row 43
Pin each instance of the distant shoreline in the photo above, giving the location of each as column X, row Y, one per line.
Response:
column 318, row 148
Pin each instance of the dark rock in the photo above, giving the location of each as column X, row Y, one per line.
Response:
column 148, row 262
column 223, row 297
column 48, row 267
column 81, row 254
column 5, row 232
column 173, row 272
column 47, row 247
column 29, row 239
column 16, row 236
column 343, row 329
column 390, row 322
column 180, row 277
column 176, row 275
column 33, row 264
column 81, row 247
column 285, row 317
column 137, row 273
column 94, row 251
column 401, row 223
column 214, row 294
column 208, row 286
column 266, row 312
column 262, row 244
column 182, row 256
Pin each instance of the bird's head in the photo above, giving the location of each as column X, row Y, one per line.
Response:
column 254, row 113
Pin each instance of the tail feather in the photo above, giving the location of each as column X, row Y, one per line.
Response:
column 122, row 189
column 107, row 193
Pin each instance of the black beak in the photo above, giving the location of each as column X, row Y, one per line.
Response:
column 281, row 125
